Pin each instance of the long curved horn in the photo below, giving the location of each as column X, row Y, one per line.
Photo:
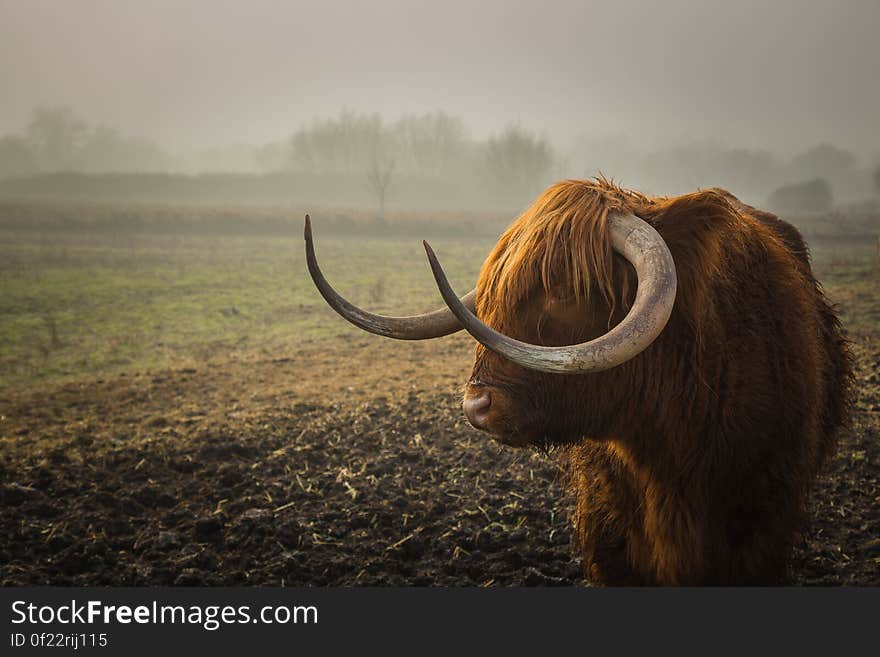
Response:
column 415, row 327
column 636, row 241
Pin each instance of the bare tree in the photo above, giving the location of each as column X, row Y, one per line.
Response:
column 342, row 144
column 379, row 177
column 430, row 142
column 518, row 160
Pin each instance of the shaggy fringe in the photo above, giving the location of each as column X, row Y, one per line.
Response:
column 560, row 245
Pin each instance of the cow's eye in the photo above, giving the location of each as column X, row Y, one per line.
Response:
column 560, row 296
column 557, row 303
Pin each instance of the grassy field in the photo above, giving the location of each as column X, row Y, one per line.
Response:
column 850, row 274
column 88, row 304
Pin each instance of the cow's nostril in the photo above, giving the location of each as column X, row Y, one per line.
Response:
column 476, row 408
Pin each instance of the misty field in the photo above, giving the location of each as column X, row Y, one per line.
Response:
column 181, row 407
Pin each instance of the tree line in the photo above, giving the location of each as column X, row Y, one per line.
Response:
column 428, row 158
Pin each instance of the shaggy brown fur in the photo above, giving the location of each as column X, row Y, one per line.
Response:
column 691, row 463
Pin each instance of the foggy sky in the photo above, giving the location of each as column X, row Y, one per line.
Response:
column 782, row 75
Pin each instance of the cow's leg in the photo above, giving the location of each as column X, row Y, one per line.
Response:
column 606, row 517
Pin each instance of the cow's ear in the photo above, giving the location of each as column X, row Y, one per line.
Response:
column 698, row 228
column 698, row 216
column 695, row 227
